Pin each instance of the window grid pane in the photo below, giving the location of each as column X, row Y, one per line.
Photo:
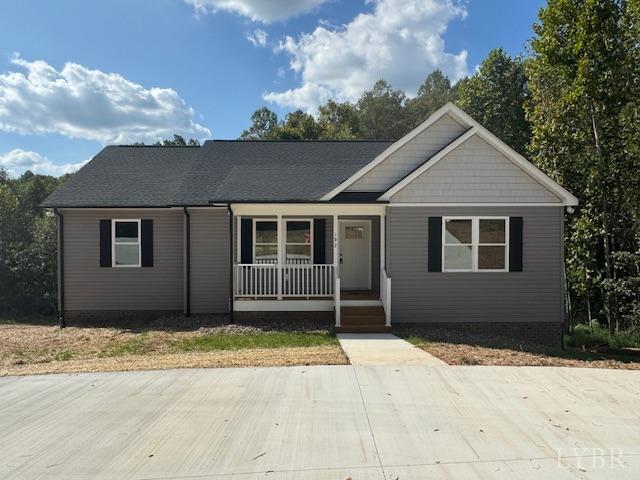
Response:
column 491, row 257
column 458, row 257
column 127, row 254
column 474, row 244
column 492, row 231
column 458, row 232
column 299, row 232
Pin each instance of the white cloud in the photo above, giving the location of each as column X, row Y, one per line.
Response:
column 258, row 38
column 81, row 103
column 257, row 10
column 399, row 41
column 19, row 161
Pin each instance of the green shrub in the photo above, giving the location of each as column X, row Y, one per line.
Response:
column 595, row 335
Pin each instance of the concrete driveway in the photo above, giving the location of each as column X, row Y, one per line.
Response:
column 409, row 422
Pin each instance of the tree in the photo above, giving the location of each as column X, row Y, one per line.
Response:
column 338, row 121
column 27, row 245
column 263, row 124
column 578, row 81
column 382, row 113
column 297, row 125
column 495, row 97
column 434, row 92
column 178, row 141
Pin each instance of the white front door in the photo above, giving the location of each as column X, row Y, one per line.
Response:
column 355, row 254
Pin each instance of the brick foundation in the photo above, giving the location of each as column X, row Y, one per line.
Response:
column 540, row 333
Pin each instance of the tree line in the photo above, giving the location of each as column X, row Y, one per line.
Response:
column 571, row 105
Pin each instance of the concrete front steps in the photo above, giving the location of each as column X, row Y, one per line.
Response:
column 365, row 319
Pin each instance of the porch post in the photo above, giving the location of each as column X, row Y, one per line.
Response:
column 385, row 281
column 238, row 237
column 383, row 249
column 336, row 268
column 280, row 256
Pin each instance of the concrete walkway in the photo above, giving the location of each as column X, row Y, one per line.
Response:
column 383, row 349
column 323, row 423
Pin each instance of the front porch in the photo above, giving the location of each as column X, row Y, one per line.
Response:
column 309, row 257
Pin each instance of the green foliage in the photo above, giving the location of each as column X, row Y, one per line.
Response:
column 435, row 91
column 263, row 124
column 594, row 335
column 495, row 97
column 28, row 246
column 339, row 121
column 382, row 112
column 583, row 107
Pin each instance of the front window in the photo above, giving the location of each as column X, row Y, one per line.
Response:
column 266, row 242
column 474, row 244
column 126, row 243
column 298, row 244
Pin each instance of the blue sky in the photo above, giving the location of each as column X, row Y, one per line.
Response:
column 77, row 75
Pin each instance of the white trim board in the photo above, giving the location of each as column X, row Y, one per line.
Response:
column 283, row 305
column 565, row 198
column 433, row 118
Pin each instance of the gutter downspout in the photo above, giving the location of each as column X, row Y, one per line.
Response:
column 230, row 210
column 61, row 319
column 187, row 261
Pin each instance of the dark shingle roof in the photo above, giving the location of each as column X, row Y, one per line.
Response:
column 219, row 171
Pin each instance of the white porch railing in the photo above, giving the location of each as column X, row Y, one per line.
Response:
column 385, row 295
column 261, row 280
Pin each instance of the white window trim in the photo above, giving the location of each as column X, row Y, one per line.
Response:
column 255, row 244
column 113, row 242
column 475, row 243
column 286, row 244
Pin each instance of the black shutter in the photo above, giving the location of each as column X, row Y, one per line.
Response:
column 434, row 251
column 105, row 243
column 146, row 242
column 515, row 244
column 246, row 240
column 319, row 246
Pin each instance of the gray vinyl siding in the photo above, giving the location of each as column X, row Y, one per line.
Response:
column 90, row 287
column 475, row 172
column 419, row 296
column 411, row 155
column 209, row 260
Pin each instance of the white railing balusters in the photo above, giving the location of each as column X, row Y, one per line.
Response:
column 298, row 280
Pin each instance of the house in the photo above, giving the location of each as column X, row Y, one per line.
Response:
column 447, row 226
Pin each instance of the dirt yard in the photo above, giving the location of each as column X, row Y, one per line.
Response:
column 457, row 348
column 33, row 349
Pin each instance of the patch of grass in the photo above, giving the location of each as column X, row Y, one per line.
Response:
column 595, row 335
column 133, row 346
column 63, row 355
column 226, row 341
column 28, row 320
column 417, row 340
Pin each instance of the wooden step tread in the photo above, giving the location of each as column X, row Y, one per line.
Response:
column 359, row 311
column 362, row 320
column 363, row 329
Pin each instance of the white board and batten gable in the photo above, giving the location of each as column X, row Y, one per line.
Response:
column 450, row 159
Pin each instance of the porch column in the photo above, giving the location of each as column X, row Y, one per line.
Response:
column 336, row 268
column 383, row 249
column 385, row 281
column 280, row 256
